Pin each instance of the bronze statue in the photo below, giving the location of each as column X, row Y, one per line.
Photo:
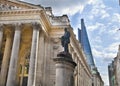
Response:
column 65, row 40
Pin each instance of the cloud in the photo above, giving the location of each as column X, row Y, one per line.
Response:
column 98, row 40
column 95, row 26
column 113, row 30
column 97, row 53
column 116, row 17
column 103, row 54
column 69, row 7
column 113, row 47
column 105, row 78
column 98, row 10
column 104, row 14
column 116, row 36
column 107, row 60
column 108, row 52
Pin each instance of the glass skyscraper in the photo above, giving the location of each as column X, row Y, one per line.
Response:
column 83, row 39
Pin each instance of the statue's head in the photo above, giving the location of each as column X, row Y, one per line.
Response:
column 65, row 29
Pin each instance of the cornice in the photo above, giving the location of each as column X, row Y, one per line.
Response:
column 20, row 12
column 59, row 20
column 20, row 16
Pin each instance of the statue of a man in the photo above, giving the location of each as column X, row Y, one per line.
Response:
column 65, row 40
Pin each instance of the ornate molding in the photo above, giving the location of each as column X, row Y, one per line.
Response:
column 8, row 32
column 8, row 7
column 55, row 40
column 56, row 47
column 19, row 4
column 59, row 20
column 18, row 26
column 1, row 27
column 20, row 21
column 20, row 12
column 36, row 25
column 56, row 44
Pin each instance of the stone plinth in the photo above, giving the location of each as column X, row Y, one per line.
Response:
column 64, row 69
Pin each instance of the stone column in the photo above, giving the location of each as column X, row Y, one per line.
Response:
column 47, row 67
column 1, row 35
column 11, row 80
column 6, row 57
column 64, row 70
column 40, row 60
column 33, row 55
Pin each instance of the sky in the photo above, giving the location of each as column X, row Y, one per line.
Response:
column 102, row 20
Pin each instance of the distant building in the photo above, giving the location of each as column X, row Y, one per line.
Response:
column 114, row 70
column 97, row 80
column 117, row 74
column 112, row 73
column 83, row 39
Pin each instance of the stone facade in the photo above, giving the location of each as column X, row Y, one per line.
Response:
column 29, row 40
column 114, row 70
column 118, row 68
column 112, row 73
column 97, row 80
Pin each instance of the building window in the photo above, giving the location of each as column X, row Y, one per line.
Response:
column 23, row 73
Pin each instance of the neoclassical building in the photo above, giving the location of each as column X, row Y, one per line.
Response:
column 117, row 74
column 29, row 40
column 114, row 70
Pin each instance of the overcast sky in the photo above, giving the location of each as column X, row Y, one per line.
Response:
column 102, row 20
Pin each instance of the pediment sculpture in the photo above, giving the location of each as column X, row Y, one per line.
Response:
column 4, row 7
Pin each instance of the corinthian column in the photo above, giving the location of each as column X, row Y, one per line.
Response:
column 11, row 80
column 33, row 54
column 40, row 60
column 1, row 35
column 6, row 57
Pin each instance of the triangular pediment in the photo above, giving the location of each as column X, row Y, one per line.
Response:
column 16, row 5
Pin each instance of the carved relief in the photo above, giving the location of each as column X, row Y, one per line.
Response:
column 56, row 46
column 36, row 25
column 56, row 43
column 8, row 7
column 59, row 20
column 9, row 32
column 55, row 40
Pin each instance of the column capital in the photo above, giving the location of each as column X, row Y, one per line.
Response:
column 18, row 26
column 1, row 27
column 8, row 32
column 36, row 25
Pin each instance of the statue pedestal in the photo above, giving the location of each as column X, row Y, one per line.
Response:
column 64, row 69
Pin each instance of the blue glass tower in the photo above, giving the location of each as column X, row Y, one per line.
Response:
column 83, row 39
